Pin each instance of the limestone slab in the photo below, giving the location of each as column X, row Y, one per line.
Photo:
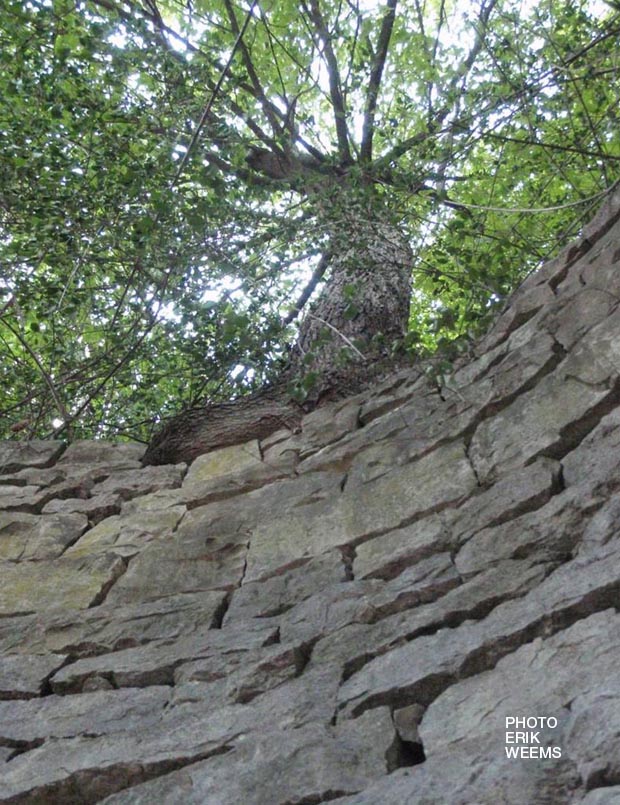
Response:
column 128, row 533
column 420, row 670
column 23, row 676
column 277, row 594
column 164, row 570
column 16, row 456
column 393, row 615
column 156, row 662
column 35, row 537
column 431, row 483
column 98, row 713
column 64, row 582
column 389, row 554
column 95, row 508
column 106, row 628
column 550, row 532
column 130, row 483
column 117, row 455
column 299, row 765
column 229, row 471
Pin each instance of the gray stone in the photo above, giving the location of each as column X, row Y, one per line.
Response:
column 23, row 676
column 125, row 455
column 586, row 308
column 598, row 455
column 129, row 483
column 202, row 554
column 524, row 490
column 327, row 611
column 389, row 554
column 418, row 671
column 28, row 536
column 602, row 796
column 98, row 713
column 550, row 532
column 19, row 498
column 425, row 581
column 16, row 456
column 293, row 766
column 353, row 645
column 32, row 476
column 520, row 313
column 246, row 674
column 429, row 484
column 128, row 533
column 93, row 767
column 541, row 678
column 531, row 425
column 6, row 752
column 229, row 471
column 65, row 582
column 96, row 509
column 303, row 700
column 560, row 409
column 325, row 426
column 515, row 366
column 107, row 628
column 396, row 390
column 156, row 662
column 407, row 720
column 473, row 775
column 277, row 594
column 593, row 731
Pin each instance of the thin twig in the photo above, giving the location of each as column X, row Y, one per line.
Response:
column 214, row 94
column 344, row 338
column 455, row 203
column 46, row 376
column 460, row 74
column 273, row 115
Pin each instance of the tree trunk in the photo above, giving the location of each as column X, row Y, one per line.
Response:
column 199, row 430
column 345, row 340
column 363, row 308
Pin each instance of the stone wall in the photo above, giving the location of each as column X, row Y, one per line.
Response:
column 344, row 614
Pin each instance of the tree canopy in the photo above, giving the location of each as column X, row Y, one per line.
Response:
column 162, row 212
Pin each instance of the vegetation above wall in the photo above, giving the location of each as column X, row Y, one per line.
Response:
column 178, row 179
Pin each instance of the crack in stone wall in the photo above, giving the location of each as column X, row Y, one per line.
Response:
column 347, row 613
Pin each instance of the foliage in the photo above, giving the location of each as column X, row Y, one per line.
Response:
column 143, row 263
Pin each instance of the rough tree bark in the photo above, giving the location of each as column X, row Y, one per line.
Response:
column 345, row 338
column 363, row 308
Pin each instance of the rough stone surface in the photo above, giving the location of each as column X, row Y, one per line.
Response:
column 26, row 536
column 65, row 583
column 350, row 613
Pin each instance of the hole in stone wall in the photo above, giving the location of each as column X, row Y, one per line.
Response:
column 412, row 754
column 403, row 754
column 407, row 749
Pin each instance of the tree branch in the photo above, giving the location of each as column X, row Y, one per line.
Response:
column 552, row 146
column 272, row 113
column 340, row 117
column 460, row 75
column 44, row 374
column 216, row 89
column 214, row 64
column 376, row 73
column 317, row 274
